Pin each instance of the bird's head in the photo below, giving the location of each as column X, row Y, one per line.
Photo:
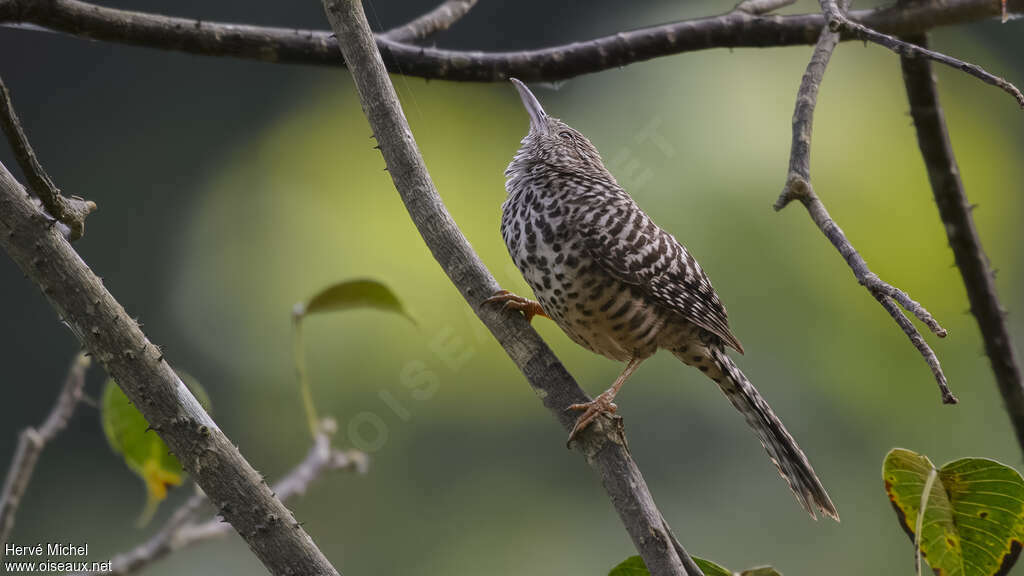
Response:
column 553, row 142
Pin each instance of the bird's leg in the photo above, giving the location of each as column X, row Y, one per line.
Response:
column 529, row 308
column 603, row 403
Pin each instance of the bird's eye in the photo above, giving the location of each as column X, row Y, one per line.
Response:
column 566, row 135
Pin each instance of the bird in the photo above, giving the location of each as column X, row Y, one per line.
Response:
column 621, row 286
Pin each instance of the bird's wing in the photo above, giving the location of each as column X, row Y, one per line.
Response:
column 627, row 244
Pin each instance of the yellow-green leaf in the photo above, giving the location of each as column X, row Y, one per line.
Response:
column 973, row 522
column 352, row 294
column 142, row 449
column 634, row 566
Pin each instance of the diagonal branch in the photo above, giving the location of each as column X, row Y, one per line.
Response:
column 798, row 187
column 437, row 20
column 70, row 211
column 117, row 342
column 603, row 444
column 838, row 22
column 955, row 211
column 286, row 45
column 181, row 531
column 31, row 443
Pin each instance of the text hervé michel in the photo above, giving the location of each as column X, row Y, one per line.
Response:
column 51, row 557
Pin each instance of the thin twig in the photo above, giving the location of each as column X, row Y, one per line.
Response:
column 760, row 7
column 839, row 22
column 181, row 531
column 160, row 544
column 437, row 20
column 798, row 181
column 798, row 187
column 117, row 342
column 286, row 45
column 604, row 443
column 32, row 441
column 71, row 211
column 955, row 212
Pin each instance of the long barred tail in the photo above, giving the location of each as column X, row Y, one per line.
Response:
column 777, row 441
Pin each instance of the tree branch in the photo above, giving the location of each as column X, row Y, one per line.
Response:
column 838, row 22
column 69, row 211
column 955, row 211
column 760, row 7
column 798, row 187
column 31, row 443
column 437, row 20
column 603, row 444
column 733, row 30
column 180, row 531
column 117, row 342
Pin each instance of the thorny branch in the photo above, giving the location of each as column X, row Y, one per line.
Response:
column 32, row 441
column 955, row 211
column 70, row 211
column 604, row 443
column 839, row 22
column 798, row 187
column 738, row 28
column 117, row 342
column 182, row 531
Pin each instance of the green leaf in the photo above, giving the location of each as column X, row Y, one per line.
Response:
column 352, row 294
column 347, row 295
column 973, row 522
column 634, row 566
column 142, row 449
column 710, row 568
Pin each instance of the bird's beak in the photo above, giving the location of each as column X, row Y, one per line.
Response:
column 538, row 119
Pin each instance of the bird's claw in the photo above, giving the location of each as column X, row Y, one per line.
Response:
column 511, row 301
column 601, row 405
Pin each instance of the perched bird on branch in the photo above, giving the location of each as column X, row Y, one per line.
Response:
column 620, row 286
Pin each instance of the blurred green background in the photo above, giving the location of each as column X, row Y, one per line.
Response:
column 230, row 190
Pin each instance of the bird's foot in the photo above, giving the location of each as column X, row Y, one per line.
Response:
column 511, row 301
column 601, row 405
